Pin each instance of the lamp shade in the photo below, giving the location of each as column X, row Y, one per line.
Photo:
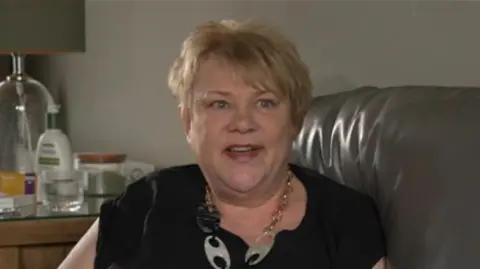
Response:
column 42, row 26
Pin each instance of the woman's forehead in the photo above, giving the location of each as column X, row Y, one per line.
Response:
column 217, row 73
column 218, row 77
column 202, row 93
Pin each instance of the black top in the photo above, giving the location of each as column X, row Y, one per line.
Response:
column 153, row 226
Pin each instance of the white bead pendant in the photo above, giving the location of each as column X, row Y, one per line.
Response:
column 215, row 248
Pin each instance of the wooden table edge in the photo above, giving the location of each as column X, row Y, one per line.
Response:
column 43, row 231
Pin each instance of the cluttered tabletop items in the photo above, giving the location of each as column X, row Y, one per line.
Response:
column 63, row 193
column 44, row 214
column 43, row 178
column 40, row 175
column 90, row 207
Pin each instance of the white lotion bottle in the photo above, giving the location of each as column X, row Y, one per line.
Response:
column 54, row 150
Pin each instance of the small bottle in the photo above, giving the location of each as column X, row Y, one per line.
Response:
column 54, row 151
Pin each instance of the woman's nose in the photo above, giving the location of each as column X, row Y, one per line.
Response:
column 243, row 121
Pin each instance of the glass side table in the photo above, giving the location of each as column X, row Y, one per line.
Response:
column 90, row 207
column 35, row 238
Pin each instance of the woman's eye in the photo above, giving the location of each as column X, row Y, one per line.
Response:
column 265, row 103
column 219, row 104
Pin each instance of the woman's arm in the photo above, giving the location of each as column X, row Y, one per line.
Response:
column 83, row 254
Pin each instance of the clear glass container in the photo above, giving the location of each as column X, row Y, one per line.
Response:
column 23, row 109
column 106, row 173
column 62, row 190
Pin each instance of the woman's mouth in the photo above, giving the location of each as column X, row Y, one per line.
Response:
column 243, row 153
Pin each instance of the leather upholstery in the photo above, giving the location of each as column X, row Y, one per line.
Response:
column 415, row 150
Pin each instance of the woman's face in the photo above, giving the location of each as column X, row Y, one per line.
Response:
column 241, row 136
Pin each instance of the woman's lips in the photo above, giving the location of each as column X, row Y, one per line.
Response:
column 243, row 153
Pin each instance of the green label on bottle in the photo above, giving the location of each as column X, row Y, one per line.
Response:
column 48, row 161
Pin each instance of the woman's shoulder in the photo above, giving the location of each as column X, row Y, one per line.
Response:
column 168, row 183
column 164, row 191
column 344, row 209
column 350, row 217
column 327, row 189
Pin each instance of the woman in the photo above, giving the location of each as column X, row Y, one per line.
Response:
column 243, row 93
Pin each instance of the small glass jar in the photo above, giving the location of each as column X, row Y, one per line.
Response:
column 106, row 176
column 62, row 190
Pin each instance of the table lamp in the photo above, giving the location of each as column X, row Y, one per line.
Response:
column 32, row 27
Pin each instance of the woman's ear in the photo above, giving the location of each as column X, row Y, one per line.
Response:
column 185, row 117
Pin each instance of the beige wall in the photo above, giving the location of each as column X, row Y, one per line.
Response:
column 116, row 93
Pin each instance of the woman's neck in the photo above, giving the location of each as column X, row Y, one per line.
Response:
column 250, row 222
column 253, row 209
column 267, row 202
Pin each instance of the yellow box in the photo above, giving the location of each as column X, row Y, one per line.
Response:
column 12, row 183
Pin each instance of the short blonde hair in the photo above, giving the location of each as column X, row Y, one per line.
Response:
column 261, row 55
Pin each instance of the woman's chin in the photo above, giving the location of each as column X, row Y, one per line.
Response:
column 242, row 187
column 243, row 181
column 242, row 177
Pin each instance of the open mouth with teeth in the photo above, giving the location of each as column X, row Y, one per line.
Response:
column 243, row 152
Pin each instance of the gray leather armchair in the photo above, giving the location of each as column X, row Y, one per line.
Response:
column 415, row 150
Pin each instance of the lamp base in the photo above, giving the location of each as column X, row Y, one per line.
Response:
column 23, row 109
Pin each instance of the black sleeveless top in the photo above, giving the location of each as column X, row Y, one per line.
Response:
column 152, row 225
